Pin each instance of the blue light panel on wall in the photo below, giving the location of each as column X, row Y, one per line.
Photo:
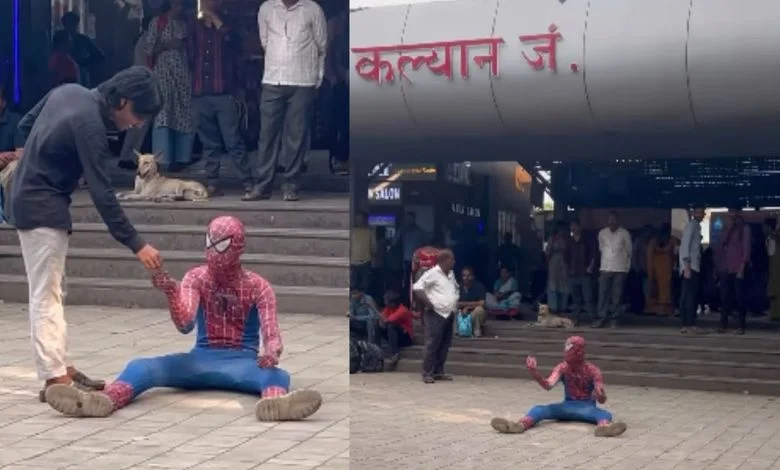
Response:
column 17, row 33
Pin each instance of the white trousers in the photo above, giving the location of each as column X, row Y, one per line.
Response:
column 44, row 251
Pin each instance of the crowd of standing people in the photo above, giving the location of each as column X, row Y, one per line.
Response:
column 197, row 59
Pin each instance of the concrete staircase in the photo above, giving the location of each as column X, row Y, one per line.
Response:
column 652, row 357
column 301, row 248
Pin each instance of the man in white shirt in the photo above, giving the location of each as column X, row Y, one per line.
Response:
column 294, row 36
column 690, row 267
column 615, row 248
column 438, row 291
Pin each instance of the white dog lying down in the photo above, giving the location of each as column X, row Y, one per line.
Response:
column 150, row 185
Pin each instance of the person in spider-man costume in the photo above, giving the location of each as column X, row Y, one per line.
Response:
column 231, row 308
column 583, row 387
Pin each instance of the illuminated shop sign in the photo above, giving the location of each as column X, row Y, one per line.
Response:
column 385, row 193
column 459, row 173
column 464, row 210
column 402, row 172
column 375, row 62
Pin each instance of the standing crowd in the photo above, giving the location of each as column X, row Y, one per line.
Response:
column 197, row 59
column 596, row 279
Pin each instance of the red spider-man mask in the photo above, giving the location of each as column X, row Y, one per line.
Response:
column 225, row 241
column 574, row 351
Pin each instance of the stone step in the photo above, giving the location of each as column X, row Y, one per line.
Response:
column 725, row 367
column 611, row 377
column 629, row 319
column 120, row 263
column 139, row 293
column 659, row 350
column 634, row 335
column 324, row 212
column 318, row 177
column 284, row 241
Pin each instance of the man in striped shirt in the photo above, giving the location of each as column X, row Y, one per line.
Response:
column 214, row 54
column 294, row 35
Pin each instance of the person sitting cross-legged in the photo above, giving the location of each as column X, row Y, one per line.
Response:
column 397, row 326
column 472, row 301
column 363, row 317
column 231, row 308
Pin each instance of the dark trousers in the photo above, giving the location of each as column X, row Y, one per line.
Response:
column 689, row 299
column 438, row 339
column 134, row 141
column 339, row 139
column 610, row 294
column 732, row 291
column 397, row 338
column 581, row 289
column 219, row 128
column 285, row 132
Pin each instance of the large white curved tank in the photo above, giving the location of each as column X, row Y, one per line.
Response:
column 499, row 79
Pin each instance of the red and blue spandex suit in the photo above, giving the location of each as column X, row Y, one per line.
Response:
column 231, row 309
column 583, row 388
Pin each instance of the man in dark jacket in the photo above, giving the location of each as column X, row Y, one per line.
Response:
column 65, row 138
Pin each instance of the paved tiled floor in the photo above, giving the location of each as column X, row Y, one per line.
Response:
column 169, row 429
column 398, row 422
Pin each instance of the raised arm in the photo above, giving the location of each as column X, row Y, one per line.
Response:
column 550, row 381
column 264, row 299
column 183, row 298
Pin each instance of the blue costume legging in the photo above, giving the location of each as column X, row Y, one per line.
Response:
column 584, row 411
column 204, row 369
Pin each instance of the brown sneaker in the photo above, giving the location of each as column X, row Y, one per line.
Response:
column 294, row 406
column 739, row 331
column 610, row 430
column 443, row 377
column 80, row 381
column 504, row 426
column 71, row 401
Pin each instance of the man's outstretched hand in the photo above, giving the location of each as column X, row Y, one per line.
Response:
column 530, row 363
column 150, row 257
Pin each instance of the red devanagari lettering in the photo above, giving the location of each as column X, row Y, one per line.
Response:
column 438, row 59
column 491, row 57
column 417, row 61
column 548, row 49
column 370, row 68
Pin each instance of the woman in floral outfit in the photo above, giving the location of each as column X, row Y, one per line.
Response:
column 166, row 48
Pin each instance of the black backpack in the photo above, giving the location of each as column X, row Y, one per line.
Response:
column 365, row 357
column 354, row 356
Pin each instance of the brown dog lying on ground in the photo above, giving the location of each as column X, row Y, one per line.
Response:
column 545, row 319
column 150, row 185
